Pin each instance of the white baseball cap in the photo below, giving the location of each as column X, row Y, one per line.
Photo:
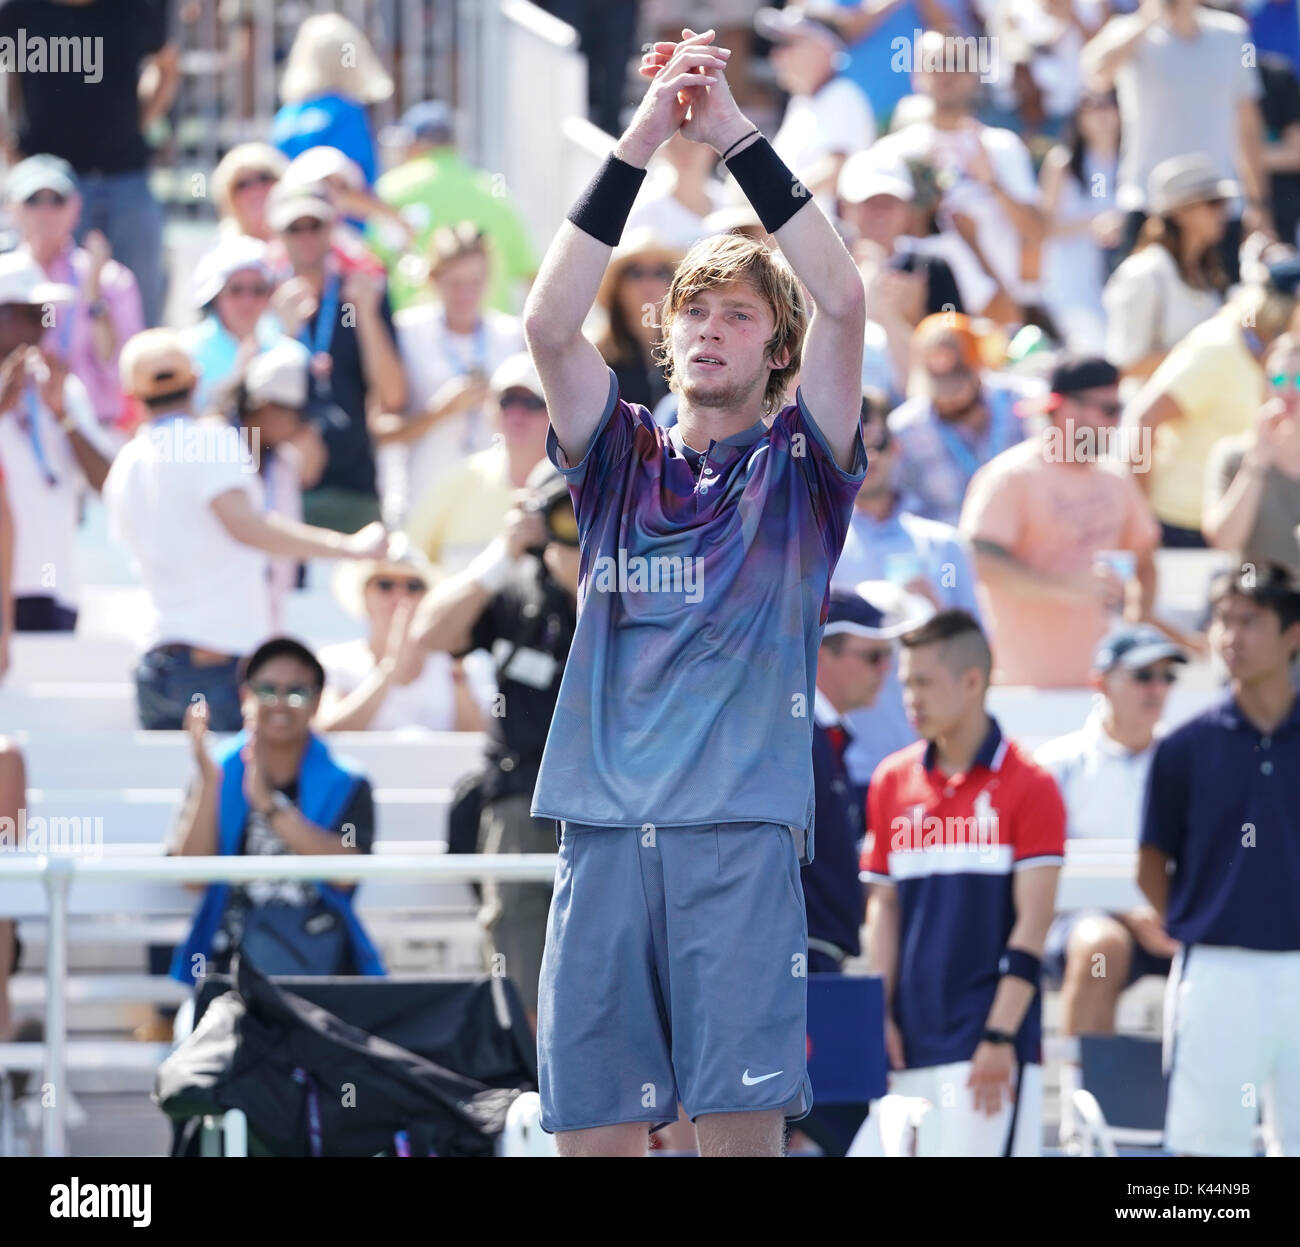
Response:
column 864, row 176
column 278, row 375
column 22, row 280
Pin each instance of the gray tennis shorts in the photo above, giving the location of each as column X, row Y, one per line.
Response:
column 675, row 970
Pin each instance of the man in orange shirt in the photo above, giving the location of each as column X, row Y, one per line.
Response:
column 1060, row 533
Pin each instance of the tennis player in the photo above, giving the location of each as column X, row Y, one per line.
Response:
column 679, row 760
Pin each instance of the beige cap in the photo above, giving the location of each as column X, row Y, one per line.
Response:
column 1183, row 180
column 155, row 364
column 278, row 375
column 517, row 372
column 285, row 205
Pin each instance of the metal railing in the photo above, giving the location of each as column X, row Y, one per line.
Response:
column 58, row 874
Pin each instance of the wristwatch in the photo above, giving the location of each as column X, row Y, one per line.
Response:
column 996, row 1036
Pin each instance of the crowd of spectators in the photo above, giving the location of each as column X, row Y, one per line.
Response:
column 1076, row 224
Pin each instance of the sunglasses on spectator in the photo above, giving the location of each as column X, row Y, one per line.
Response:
column 254, row 289
column 386, row 584
column 951, row 379
column 306, row 225
column 521, row 398
column 46, row 199
column 1285, row 381
column 253, row 179
column 1109, row 407
column 873, row 657
column 639, row 272
column 1097, row 102
column 876, row 444
column 1149, row 676
column 295, row 696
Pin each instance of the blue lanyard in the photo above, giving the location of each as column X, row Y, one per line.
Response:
column 956, row 446
column 34, row 435
column 318, row 342
column 65, row 318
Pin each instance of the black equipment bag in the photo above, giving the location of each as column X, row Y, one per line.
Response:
column 311, row 1083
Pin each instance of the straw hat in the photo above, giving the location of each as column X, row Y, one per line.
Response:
column 403, row 559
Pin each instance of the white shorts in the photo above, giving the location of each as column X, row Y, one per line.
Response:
column 954, row 1127
column 1232, row 1048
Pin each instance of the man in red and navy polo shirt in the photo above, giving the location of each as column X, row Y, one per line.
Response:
column 965, row 839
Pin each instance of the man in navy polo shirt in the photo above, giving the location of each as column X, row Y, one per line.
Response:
column 965, row 839
column 1220, row 862
column 856, row 656
column 679, row 757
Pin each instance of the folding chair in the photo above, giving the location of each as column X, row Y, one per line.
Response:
column 1122, row 1101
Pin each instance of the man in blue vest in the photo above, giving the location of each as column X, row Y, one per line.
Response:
column 275, row 788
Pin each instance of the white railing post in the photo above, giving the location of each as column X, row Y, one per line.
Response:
column 54, row 1094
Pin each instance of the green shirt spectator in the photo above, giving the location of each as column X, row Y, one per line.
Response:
column 435, row 186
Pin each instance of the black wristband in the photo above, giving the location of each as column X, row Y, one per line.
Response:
column 990, row 1035
column 739, row 141
column 1018, row 964
column 602, row 209
column 772, row 190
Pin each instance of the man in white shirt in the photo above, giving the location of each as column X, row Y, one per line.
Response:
column 1101, row 771
column 51, row 447
column 828, row 117
column 184, row 496
column 992, row 198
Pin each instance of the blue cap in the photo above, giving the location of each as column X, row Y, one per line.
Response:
column 1134, row 647
column 875, row 608
column 1284, row 276
column 428, row 120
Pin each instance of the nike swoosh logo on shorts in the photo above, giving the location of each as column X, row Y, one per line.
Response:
column 751, row 1082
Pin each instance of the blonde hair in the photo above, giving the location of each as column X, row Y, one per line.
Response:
column 246, row 157
column 454, row 242
column 732, row 257
column 331, row 56
column 1268, row 312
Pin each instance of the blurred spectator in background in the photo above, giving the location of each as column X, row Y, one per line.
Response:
column 923, row 561
column 856, row 655
column 518, row 601
column 1219, row 860
column 1174, row 278
column 241, row 183
column 345, row 322
column 955, row 419
column 1044, row 518
column 1252, row 482
column 1102, row 771
column 871, row 29
column 968, row 907
column 330, row 77
column 105, row 311
column 13, row 802
column 385, row 681
column 639, row 274
column 990, row 192
column 1077, row 182
column 275, row 789
column 434, row 185
column 876, row 203
column 679, row 193
column 270, row 405
column 1209, row 386
column 97, row 124
column 449, row 350
column 184, row 498
column 1280, row 107
column 1184, row 86
column 232, row 289
column 467, row 508
column 607, row 41
column 6, row 574
column 828, row 116
column 51, row 446
column 902, row 286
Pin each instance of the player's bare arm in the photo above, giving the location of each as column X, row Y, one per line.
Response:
column 573, row 375
column 831, row 376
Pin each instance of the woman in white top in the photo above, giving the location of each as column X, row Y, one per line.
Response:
column 383, row 681
column 449, row 349
column 1173, row 280
column 1078, row 186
